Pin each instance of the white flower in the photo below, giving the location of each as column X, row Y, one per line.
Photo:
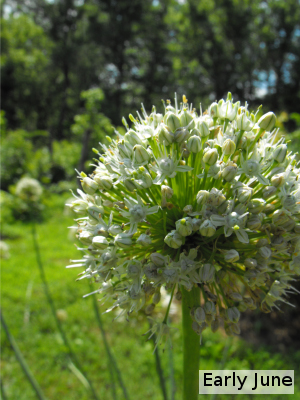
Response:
column 137, row 212
column 164, row 200
column 167, row 166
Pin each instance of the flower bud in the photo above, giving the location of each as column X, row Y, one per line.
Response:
column 79, row 206
column 268, row 191
column 125, row 149
column 157, row 118
column 244, row 194
column 141, row 155
column 194, row 144
column 279, row 217
column 133, row 138
column 216, row 198
column 180, row 135
column 88, row 185
column 254, row 222
column 210, row 308
column 108, row 203
column 199, row 315
column 166, row 191
column 228, row 147
column 174, row 240
column 210, row 156
column 170, row 108
column 184, row 226
column 156, row 298
column 235, row 296
column 233, row 314
column 199, row 328
column 99, row 242
column 144, row 240
column 213, row 110
column 158, row 259
column 229, row 172
column 185, row 118
column 227, row 110
column 207, row 228
column 165, row 135
column 195, row 132
column 203, row 129
column 289, row 201
column 280, row 153
column 232, row 256
column 278, row 180
column 104, row 181
column 250, row 303
column 85, row 237
column 220, row 275
column 123, row 241
column 206, row 273
column 129, row 184
column 215, row 325
column 262, row 243
column 115, row 229
column 244, row 123
column 279, row 243
column 172, row 121
column 250, row 263
column 256, row 206
column 267, row 121
column 265, row 252
column 196, row 224
column 289, row 225
column 202, row 196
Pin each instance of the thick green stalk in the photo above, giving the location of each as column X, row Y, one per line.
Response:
column 191, row 345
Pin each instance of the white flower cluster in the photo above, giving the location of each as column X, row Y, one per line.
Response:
column 186, row 199
column 29, row 189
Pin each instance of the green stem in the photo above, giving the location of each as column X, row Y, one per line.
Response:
column 4, row 397
column 159, row 370
column 171, row 372
column 169, row 306
column 22, row 362
column 191, row 346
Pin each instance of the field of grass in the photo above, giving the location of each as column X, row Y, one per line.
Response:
column 29, row 318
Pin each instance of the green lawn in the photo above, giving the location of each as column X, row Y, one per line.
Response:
column 30, row 321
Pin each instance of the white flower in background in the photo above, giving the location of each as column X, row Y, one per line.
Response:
column 29, row 189
column 188, row 199
column 4, row 250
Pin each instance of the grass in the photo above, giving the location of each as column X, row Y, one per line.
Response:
column 29, row 318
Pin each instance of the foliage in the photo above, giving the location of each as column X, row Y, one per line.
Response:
column 15, row 154
column 52, row 51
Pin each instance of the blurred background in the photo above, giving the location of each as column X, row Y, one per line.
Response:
column 71, row 69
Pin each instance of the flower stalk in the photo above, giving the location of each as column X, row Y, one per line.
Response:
column 191, row 345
